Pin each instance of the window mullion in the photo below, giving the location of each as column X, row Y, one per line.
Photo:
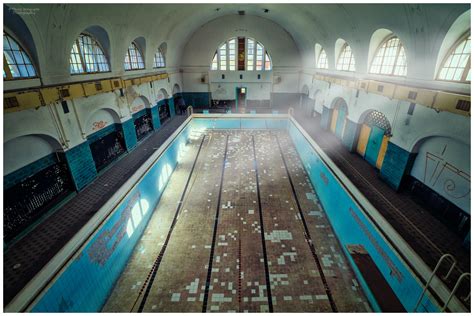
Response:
column 80, row 51
column 466, row 70
column 396, row 58
column 6, row 68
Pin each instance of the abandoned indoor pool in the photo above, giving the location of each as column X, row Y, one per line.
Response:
column 235, row 212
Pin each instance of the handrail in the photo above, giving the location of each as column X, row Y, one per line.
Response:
column 443, row 257
column 461, row 277
column 189, row 111
column 419, row 269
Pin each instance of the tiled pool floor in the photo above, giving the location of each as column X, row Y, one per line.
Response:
column 278, row 272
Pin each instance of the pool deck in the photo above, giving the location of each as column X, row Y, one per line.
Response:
column 38, row 246
column 264, row 252
column 427, row 236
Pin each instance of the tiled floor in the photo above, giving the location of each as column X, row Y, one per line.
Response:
column 422, row 231
column 36, row 248
column 260, row 256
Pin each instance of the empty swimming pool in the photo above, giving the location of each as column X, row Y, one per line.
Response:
column 233, row 213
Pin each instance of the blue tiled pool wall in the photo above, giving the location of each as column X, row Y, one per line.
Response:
column 352, row 227
column 87, row 282
column 239, row 123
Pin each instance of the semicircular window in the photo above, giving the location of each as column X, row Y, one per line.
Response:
column 17, row 64
column 87, row 56
column 376, row 118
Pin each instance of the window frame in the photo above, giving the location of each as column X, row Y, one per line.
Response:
column 76, row 41
column 397, row 55
column 265, row 53
column 465, row 72
column 339, row 56
column 129, row 58
column 327, row 59
column 154, row 56
column 6, row 68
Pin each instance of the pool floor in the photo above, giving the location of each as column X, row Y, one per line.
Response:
column 271, row 249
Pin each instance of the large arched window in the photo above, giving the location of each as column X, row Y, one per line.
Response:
column 346, row 60
column 322, row 60
column 390, row 58
column 321, row 57
column 133, row 58
column 251, row 56
column 457, row 63
column 16, row 62
column 159, row 59
column 87, row 56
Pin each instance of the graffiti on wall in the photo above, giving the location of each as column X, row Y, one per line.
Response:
column 393, row 268
column 137, row 108
column 439, row 173
column 106, row 243
column 98, row 125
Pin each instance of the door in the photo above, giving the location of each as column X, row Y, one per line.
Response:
column 241, row 99
column 373, row 145
column 341, row 120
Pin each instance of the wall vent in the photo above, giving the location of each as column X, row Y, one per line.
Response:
column 412, row 95
column 64, row 93
column 116, row 83
column 11, row 102
column 463, row 105
column 241, row 12
column 380, row 88
column 98, row 86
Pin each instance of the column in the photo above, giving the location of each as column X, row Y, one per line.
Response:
column 396, row 164
column 129, row 134
column 81, row 165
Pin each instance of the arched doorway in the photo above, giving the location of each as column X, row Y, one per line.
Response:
column 373, row 137
column 142, row 118
column 179, row 104
column 37, row 178
column 339, row 114
column 163, row 106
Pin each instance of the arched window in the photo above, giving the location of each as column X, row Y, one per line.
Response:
column 457, row 64
column 87, row 56
column 16, row 62
column 322, row 60
column 133, row 58
column 390, row 58
column 159, row 60
column 346, row 60
column 253, row 56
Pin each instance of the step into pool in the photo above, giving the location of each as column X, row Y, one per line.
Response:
column 234, row 213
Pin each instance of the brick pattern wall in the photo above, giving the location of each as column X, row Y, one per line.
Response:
column 349, row 138
column 81, row 165
column 155, row 117
column 197, row 99
column 19, row 175
column 396, row 164
column 129, row 134
column 171, row 105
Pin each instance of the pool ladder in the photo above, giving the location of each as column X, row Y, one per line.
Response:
column 456, row 286
column 189, row 111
